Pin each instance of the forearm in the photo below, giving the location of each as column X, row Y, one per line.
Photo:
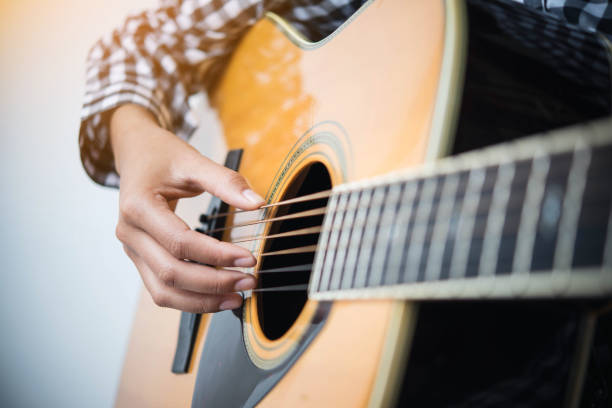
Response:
column 141, row 64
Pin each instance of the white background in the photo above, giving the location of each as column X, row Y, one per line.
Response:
column 67, row 292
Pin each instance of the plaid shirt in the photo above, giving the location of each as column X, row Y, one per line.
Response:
column 158, row 58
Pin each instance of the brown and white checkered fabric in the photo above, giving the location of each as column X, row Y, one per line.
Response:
column 158, row 58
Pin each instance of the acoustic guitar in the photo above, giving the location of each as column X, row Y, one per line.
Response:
column 437, row 230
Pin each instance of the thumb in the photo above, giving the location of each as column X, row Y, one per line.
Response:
column 226, row 184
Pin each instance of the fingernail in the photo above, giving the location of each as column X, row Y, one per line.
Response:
column 244, row 262
column 253, row 196
column 244, row 284
column 230, row 304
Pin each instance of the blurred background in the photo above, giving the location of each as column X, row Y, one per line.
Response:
column 67, row 291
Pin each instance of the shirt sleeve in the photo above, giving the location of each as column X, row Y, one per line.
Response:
column 157, row 59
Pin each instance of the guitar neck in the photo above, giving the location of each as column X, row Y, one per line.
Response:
column 530, row 218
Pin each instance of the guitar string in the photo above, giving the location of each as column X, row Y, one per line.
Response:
column 320, row 195
column 308, row 267
column 293, row 233
column 485, row 195
column 286, row 288
column 297, row 268
column 479, row 196
column 310, row 197
column 386, row 228
column 300, row 268
column 285, row 269
column 438, row 198
column 301, row 214
column 321, row 210
column 291, row 251
column 303, row 268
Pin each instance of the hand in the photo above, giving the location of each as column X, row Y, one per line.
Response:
column 157, row 168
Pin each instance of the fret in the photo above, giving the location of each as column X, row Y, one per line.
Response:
column 592, row 227
column 568, row 224
column 396, row 251
column 375, row 275
column 480, row 222
column 466, row 223
column 318, row 282
column 362, row 203
column 410, row 230
column 345, row 233
column 332, row 246
column 419, row 229
column 369, row 234
column 429, row 227
column 607, row 262
column 529, row 215
column 455, row 215
column 495, row 225
column 348, row 233
column 388, row 231
column 441, row 227
column 507, row 244
column 550, row 213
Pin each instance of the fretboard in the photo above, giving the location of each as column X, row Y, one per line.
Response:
column 530, row 218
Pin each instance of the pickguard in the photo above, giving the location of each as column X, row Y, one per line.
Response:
column 227, row 377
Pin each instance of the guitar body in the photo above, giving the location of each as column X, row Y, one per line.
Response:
column 361, row 126
column 381, row 94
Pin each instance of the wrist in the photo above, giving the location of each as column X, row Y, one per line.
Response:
column 129, row 126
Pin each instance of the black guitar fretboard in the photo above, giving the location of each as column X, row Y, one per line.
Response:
column 531, row 218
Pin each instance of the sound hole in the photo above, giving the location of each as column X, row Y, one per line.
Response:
column 277, row 310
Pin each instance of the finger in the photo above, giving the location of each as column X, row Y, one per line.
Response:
column 224, row 183
column 154, row 217
column 187, row 275
column 184, row 300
